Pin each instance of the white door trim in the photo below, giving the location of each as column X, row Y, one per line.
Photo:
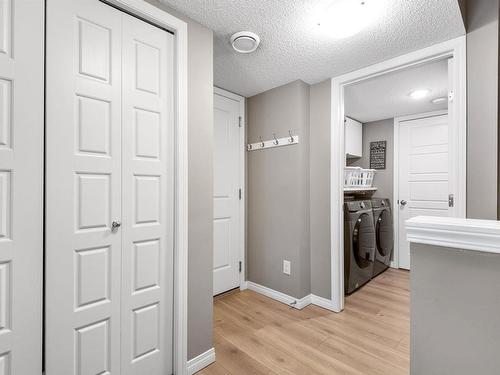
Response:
column 241, row 155
column 395, row 196
column 160, row 18
column 455, row 48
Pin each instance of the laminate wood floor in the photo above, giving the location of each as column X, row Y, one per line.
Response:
column 254, row 334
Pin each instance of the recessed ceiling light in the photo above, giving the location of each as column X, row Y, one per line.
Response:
column 419, row 94
column 245, row 41
column 439, row 100
column 344, row 18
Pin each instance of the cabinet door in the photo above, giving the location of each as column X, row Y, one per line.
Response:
column 353, row 138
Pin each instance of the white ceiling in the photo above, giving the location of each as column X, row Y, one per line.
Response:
column 387, row 96
column 293, row 47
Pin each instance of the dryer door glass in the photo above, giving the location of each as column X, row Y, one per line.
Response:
column 385, row 233
column 364, row 241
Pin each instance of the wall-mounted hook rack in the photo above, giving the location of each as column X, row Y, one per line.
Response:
column 275, row 142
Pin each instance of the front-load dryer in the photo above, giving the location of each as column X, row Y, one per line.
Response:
column 359, row 244
column 384, row 234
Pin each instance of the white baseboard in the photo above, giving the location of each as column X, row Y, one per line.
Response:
column 289, row 300
column 278, row 296
column 323, row 302
column 303, row 302
column 200, row 362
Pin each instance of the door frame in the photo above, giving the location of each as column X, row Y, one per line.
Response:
column 395, row 191
column 241, row 179
column 457, row 111
column 166, row 21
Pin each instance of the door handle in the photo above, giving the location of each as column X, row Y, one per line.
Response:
column 403, row 203
column 115, row 225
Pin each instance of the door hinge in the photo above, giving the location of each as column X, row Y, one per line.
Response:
column 240, row 265
column 239, row 193
column 451, row 96
column 239, row 121
column 451, row 200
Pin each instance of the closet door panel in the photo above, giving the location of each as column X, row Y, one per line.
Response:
column 147, row 281
column 21, row 186
column 83, row 251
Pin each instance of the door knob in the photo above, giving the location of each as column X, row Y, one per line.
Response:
column 403, row 203
column 115, row 225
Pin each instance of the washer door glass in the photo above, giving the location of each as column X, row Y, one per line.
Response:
column 362, row 239
column 385, row 233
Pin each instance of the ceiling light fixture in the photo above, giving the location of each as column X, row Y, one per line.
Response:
column 245, row 41
column 344, row 18
column 419, row 94
column 439, row 100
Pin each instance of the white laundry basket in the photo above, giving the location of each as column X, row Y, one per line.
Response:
column 356, row 177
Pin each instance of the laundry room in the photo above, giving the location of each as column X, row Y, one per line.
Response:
column 396, row 143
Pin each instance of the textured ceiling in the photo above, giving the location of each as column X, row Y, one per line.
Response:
column 387, row 96
column 294, row 47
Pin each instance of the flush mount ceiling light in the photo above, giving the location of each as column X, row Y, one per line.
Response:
column 344, row 18
column 245, row 41
column 419, row 94
column 440, row 100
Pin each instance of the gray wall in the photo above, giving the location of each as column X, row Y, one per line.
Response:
column 382, row 130
column 278, row 191
column 454, row 311
column 463, row 9
column 482, row 108
column 320, row 120
column 200, row 134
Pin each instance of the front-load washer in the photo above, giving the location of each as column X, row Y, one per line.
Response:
column 384, row 234
column 359, row 244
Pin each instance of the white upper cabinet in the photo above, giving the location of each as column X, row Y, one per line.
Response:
column 353, row 138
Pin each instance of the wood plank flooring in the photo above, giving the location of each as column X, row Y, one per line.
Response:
column 257, row 335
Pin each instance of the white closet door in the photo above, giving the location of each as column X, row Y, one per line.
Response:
column 226, row 197
column 21, row 186
column 147, row 281
column 83, row 188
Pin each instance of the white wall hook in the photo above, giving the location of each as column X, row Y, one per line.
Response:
column 275, row 142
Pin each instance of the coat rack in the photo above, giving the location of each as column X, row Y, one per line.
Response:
column 275, row 142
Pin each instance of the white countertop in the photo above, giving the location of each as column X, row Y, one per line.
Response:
column 468, row 234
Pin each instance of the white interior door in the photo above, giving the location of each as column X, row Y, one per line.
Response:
column 426, row 174
column 147, row 256
column 21, row 186
column 226, row 194
column 83, row 188
column 109, row 202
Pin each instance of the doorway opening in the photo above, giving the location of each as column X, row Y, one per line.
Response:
column 368, row 159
